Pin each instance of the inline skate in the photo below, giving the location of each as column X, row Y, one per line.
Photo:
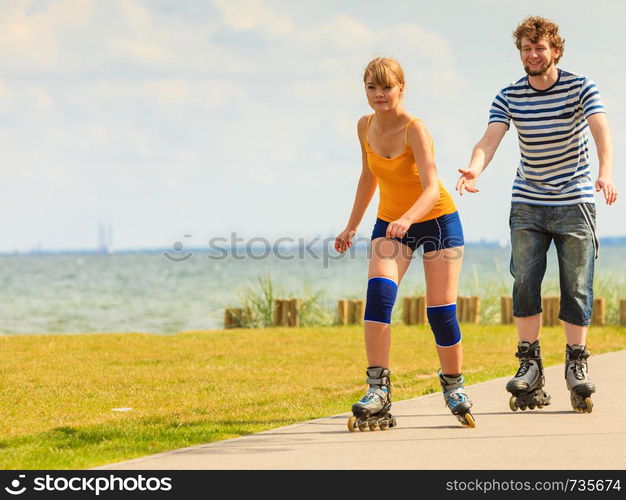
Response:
column 456, row 398
column 577, row 379
column 372, row 411
column 527, row 385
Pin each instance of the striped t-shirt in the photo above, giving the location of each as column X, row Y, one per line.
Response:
column 553, row 138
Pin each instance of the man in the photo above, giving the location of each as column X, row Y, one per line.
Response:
column 553, row 200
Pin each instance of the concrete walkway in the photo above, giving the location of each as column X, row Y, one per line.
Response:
column 428, row 437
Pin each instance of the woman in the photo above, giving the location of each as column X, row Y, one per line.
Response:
column 415, row 210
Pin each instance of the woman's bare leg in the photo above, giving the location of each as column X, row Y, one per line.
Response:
column 390, row 259
column 441, row 270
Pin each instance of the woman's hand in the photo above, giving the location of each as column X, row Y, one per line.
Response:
column 344, row 240
column 398, row 228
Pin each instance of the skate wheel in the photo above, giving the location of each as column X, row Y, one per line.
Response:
column 392, row 422
column 373, row 426
column 588, row 404
column 532, row 407
column 469, row 419
column 523, row 407
column 383, row 426
column 362, row 427
column 351, row 424
column 512, row 403
column 540, row 406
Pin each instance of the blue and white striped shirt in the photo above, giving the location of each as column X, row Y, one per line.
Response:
column 553, row 138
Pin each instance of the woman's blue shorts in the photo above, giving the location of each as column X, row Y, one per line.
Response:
column 435, row 234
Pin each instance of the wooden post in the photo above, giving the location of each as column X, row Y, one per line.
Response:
column 598, row 315
column 622, row 312
column 351, row 306
column 284, row 321
column 278, row 312
column 414, row 310
column 355, row 311
column 421, row 310
column 462, row 309
column 506, row 310
column 342, row 312
column 474, row 309
column 467, row 309
column 228, row 318
column 235, row 317
column 359, row 311
column 294, row 312
column 287, row 312
column 550, row 306
column 406, row 310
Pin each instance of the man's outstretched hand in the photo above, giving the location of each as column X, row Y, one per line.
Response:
column 608, row 189
column 467, row 181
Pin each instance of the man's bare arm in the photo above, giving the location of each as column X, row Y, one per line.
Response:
column 599, row 126
column 482, row 154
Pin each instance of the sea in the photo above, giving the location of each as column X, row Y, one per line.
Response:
column 169, row 291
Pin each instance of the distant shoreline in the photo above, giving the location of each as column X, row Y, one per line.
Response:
column 610, row 241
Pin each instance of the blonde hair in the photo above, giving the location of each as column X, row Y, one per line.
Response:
column 384, row 71
column 535, row 28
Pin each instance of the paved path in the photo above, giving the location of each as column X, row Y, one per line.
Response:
column 428, row 437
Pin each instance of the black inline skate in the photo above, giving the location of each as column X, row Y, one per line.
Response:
column 527, row 385
column 577, row 379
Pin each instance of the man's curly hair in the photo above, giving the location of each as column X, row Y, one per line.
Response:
column 535, row 28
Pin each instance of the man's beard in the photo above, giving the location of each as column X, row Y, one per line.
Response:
column 544, row 67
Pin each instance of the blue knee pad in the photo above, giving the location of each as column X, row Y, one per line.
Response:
column 444, row 324
column 381, row 296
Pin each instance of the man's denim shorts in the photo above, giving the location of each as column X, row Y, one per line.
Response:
column 572, row 228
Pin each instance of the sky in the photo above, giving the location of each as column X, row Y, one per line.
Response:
column 198, row 119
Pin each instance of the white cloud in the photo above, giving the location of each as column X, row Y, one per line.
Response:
column 138, row 18
column 338, row 33
column 141, row 51
column 82, row 37
column 254, row 15
column 42, row 100
column 424, row 43
column 209, row 93
column 5, row 94
column 37, row 38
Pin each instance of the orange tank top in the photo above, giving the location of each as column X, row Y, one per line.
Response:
column 399, row 183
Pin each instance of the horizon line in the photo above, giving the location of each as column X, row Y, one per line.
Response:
column 607, row 240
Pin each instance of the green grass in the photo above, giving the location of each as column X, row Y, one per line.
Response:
column 58, row 391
